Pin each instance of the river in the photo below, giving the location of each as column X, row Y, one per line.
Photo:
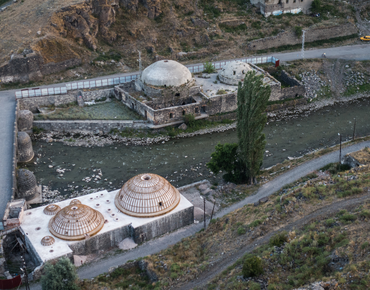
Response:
column 182, row 161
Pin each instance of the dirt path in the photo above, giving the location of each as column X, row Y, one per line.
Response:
column 227, row 261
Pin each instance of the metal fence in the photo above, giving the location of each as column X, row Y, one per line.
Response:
column 37, row 92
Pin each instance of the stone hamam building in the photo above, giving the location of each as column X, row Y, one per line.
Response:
column 145, row 207
column 278, row 7
column 166, row 91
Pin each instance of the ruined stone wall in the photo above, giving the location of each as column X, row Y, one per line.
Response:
column 95, row 126
column 296, row 89
column 289, row 37
column 166, row 224
column 101, row 242
column 276, row 92
column 221, row 104
column 33, row 103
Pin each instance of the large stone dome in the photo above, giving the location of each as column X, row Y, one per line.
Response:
column 166, row 73
column 234, row 72
column 147, row 195
column 76, row 222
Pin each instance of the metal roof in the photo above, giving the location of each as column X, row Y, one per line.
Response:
column 147, row 195
column 76, row 222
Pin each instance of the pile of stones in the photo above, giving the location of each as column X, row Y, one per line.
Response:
column 312, row 83
column 355, row 78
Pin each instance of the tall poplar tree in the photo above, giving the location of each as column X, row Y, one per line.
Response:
column 253, row 96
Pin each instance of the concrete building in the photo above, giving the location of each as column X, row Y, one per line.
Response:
column 167, row 91
column 147, row 206
column 278, row 7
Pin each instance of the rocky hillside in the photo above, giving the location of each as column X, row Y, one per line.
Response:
column 105, row 35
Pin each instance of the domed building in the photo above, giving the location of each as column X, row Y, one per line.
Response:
column 166, row 73
column 147, row 195
column 146, row 207
column 234, row 72
column 76, row 222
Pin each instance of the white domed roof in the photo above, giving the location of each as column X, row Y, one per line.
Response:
column 234, row 72
column 166, row 73
column 147, row 195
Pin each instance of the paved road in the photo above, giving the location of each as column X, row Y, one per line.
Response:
column 351, row 52
column 154, row 246
column 7, row 115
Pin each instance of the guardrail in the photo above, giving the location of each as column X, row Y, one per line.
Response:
column 37, row 92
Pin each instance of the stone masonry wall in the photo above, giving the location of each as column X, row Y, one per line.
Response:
column 296, row 89
column 289, row 37
column 101, row 242
column 34, row 103
column 95, row 126
column 164, row 225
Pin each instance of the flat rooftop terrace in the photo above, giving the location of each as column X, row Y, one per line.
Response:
column 35, row 222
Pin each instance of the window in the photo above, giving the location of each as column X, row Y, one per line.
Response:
column 287, row 1
column 160, row 203
column 183, row 112
column 243, row 72
column 171, row 115
column 196, row 110
column 177, row 95
column 183, row 103
column 234, row 72
column 203, row 109
column 294, row 1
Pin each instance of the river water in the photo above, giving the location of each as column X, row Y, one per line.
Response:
column 182, row 161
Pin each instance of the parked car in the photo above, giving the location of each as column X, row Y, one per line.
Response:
column 365, row 38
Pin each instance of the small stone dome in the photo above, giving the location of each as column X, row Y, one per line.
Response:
column 25, row 150
column 51, row 209
column 26, row 183
column 47, row 241
column 234, row 72
column 25, row 120
column 147, row 195
column 76, row 222
column 75, row 201
column 166, row 73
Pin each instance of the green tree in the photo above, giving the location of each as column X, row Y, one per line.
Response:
column 226, row 158
column 316, row 6
column 253, row 96
column 208, row 67
column 61, row 276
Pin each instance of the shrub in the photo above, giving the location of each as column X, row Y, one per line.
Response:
column 279, row 239
column 208, row 67
column 241, row 230
column 330, row 222
column 60, row 276
column 298, row 31
column 365, row 245
column 189, row 120
column 254, row 285
column 252, row 267
column 348, row 217
column 365, row 213
column 255, row 223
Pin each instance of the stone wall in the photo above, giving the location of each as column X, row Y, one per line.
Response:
column 289, row 37
column 296, row 88
column 164, row 225
column 101, row 242
column 96, row 126
column 33, row 103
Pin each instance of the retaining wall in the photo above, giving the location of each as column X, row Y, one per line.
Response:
column 290, row 38
column 103, row 126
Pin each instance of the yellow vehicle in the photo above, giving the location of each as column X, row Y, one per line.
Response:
column 365, row 38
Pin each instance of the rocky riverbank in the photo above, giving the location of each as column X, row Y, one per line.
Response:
column 88, row 139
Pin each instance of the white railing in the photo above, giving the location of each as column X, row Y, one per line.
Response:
column 37, row 92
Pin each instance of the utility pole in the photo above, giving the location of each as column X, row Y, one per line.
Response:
column 354, row 131
column 340, row 149
column 140, row 64
column 303, row 37
column 213, row 209
column 24, row 270
column 204, row 210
